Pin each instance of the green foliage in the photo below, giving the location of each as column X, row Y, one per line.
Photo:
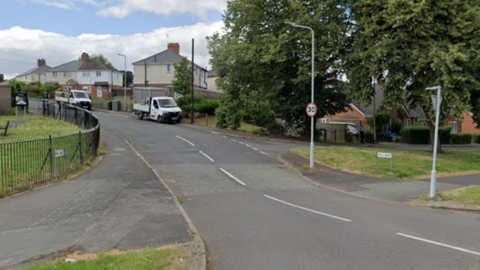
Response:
column 408, row 45
column 398, row 139
column 381, row 119
column 206, row 106
column 396, row 126
column 445, row 135
column 416, row 135
column 49, row 88
column 102, row 59
column 221, row 118
column 349, row 137
column 129, row 77
column 369, row 136
column 263, row 65
column 182, row 82
column 477, row 138
column 462, row 138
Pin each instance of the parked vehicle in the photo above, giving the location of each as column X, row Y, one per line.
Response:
column 161, row 107
column 78, row 98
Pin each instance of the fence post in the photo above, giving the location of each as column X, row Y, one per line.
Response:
column 80, row 145
column 51, row 155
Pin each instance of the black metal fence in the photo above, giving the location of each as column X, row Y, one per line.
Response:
column 25, row 164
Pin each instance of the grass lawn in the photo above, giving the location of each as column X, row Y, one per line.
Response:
column 406, row 164
column 245, row 127
column 35, row 126
column 147, row 259
column 466, row 195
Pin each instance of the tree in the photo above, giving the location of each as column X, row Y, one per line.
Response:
column 409, row 45
column 102, row 59
column 263, row 64
column 129, row 77
column 182, row 82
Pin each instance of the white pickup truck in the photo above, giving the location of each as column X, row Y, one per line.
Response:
column 78, row 98
column 160, row 107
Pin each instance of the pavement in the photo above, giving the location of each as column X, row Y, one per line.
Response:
column 119, row 204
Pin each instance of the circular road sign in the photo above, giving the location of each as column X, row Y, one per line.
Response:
column 311, row 109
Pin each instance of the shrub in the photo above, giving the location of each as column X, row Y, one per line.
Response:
column 416, row 135
column 477, row 138
column 349, row 137
column 221, row 118
column 369, row 136
column 445, row 135
column 462, row 138
column 397, row 126
column 398, row 139
column 206, row 106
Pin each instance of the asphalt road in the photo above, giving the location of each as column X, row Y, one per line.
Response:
column 254, row 214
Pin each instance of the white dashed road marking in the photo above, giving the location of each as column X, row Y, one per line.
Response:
column 233, row 177
column 211, row 159
column 439, row 244
column 186, row 141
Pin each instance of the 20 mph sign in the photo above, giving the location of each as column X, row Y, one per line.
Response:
column 311, row 109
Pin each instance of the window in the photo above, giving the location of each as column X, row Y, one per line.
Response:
column 454, row 126
column 67, row 88
column 87, row 89
column 65, row 74
column 99, row 73
column 423, row 124
column 86, row 74
column 54, row 74
column 169, row 69
column 407, row 122
column 325, row 121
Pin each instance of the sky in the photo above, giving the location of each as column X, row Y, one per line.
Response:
column 60, row 30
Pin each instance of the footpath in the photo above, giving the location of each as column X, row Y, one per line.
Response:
column 120, row 204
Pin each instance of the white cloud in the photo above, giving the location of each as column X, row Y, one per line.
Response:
column 67, row 4
column 122, row 8
column 20, row 48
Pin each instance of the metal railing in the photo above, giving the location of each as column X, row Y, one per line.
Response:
column 28, row 163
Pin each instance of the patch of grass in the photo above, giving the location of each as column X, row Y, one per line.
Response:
column 245, row 127
column 203, row 121
column 180, row 201
column 146, row 259
column 466, row 195
column 406, row 164
column 35, row 126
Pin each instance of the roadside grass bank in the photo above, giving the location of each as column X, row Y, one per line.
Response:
column 407, row 165
column 33, row 126
column 245, row 127
column 168, row 257
column 465, row 195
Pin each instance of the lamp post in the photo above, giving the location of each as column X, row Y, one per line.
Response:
column 312, row 145
column 437, row 101
column 125, row 80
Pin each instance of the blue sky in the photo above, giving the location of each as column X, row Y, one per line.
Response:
column 59, row 30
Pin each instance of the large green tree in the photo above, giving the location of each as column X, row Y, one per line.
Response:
column 409, row 45
column 263, row 64
column 182, row 82
column 102, row 59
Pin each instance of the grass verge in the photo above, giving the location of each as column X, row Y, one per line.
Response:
column 465, row 195
column 406, row 164
column 169, row 257
column 245, row 127
column 35, row 126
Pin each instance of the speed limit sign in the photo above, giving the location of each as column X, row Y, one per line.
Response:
column 311, row 109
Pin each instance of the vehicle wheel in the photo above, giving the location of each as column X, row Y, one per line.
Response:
column 159, row 119
column 140, row 116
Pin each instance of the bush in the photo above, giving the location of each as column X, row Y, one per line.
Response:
column 477, row 138
column 398, row 139
column 349, row 137
column 369, row 136
column 397, row 126
column 221, row 118
column 462, row 138
column 445, row 135
column 206, row 106
column 416, row 135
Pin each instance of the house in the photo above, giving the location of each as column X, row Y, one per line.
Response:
column 158, row 70
column 356, row 113
column 5, row 96
column 92, row 76
column 211, row 80
column 37, row 74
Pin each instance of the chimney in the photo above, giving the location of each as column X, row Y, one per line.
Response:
column 174, row 47
column 2, row 78
column 85, row 57
column 41, row 62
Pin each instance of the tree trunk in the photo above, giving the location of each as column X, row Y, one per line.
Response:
column 431, row 127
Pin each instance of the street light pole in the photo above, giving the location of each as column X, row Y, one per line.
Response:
column 125, row 80
column 433, row 176
column 312, row 145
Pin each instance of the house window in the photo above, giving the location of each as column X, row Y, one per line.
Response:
column 65, row 74
column 407, row 122
column 55, row 74
column 325, row 120
column 67, row 88
column 454, row 125
column 169, row 69
column 87, row 89
column 423, row 124
column 86, row 74
column 99, row 73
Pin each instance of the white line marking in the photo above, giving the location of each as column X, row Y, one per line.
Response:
column 248, row 145
column 439, row 244
column 211, row 159
column 233, row 177
column 186, row 141
column 225, row 137
column 234, row 140
column 263, row 153
column 306, row 209
column 254, row 148
column 241, row 143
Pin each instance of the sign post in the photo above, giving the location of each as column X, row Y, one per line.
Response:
column 311, row 110
column 381, row 155
column 59, row 153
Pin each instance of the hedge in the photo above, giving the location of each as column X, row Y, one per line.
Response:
column 462, row 138
column 445, row 135
column 421, row 135
column 477, row 138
